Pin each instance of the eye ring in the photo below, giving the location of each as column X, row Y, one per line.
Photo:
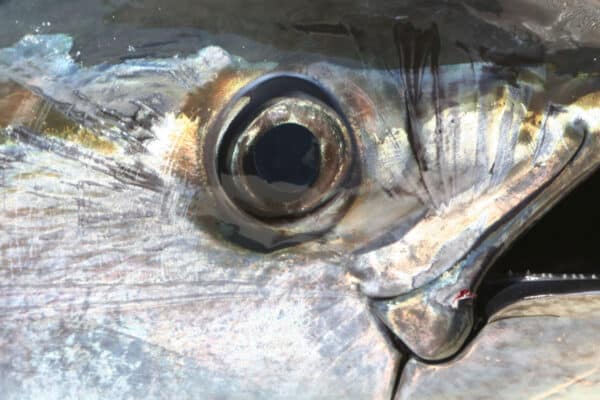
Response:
column 334, row 158
column 227, row 146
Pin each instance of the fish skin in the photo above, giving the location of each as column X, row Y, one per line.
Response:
column 506, row 358
column 155, row 309
column 445, row 323
column 164, row 292
column 560, row 27
column 111, row 289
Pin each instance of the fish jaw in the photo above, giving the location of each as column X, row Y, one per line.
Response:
column 552, row 331
column 444, row 308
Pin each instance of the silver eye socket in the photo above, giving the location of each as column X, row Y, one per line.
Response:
column 284, row 158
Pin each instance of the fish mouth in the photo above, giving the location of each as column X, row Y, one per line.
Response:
column 547, row 281
column 556, row 256
column 436, row 322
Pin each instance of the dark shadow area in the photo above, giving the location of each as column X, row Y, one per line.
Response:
column 565, row 240
column 349, row 30
column 560, row 253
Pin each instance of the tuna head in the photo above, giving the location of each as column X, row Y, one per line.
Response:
column 206, row 227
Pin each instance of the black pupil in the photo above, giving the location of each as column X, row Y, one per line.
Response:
column 287, row 157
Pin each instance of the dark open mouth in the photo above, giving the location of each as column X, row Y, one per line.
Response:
column 558, row 255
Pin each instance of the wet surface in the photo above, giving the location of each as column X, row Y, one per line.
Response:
column 537, row 349
column 356, row 32
column 127, row 271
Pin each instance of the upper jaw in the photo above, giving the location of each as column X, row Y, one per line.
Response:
column 435, row 319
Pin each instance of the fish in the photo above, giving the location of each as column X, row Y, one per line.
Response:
column 289, row 224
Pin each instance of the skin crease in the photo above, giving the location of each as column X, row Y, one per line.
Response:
column 117, row 281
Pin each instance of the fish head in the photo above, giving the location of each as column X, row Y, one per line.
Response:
column 205, row 226
column 445, row 166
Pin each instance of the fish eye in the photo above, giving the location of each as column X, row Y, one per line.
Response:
column 284, row 156
column 287, row 160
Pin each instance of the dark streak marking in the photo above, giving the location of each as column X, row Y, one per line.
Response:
column 156, row 44
column 415, row 144
column 327, row 29
column 514, row 56
column 415, row 47
column 127, row 174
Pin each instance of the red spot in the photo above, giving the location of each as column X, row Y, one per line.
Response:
column 463, row 295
